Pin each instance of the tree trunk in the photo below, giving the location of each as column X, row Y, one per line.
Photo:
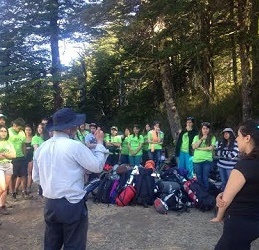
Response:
column 244, row 47
column 255, row 50
column 172, row 112
column 56, row 65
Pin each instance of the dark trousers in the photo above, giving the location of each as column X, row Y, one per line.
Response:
column 66, row 225
column 238, row 233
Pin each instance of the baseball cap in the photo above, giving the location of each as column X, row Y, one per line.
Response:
column 114, row 127
column 3, row 116
column 228, row 130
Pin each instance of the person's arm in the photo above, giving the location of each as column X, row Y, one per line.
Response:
column 197, row 144
column 235, row 182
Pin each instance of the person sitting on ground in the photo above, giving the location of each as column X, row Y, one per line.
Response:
column 59, row 165
column 7, row 153
column 239, row 203
column 183, row 149
column 227, row 155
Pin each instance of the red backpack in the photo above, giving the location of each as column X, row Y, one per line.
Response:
column 126, row 196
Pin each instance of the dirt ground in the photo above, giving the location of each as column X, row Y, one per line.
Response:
column 115, row 228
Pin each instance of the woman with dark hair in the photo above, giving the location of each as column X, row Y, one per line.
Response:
column 124, row 156
column 135, row 143
column 227, row 154
column 203, row 145
column 7, row 153
column 239, row 203
column 145, row 155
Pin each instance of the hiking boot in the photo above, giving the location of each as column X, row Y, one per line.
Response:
column 3, row 210
column 26, row 196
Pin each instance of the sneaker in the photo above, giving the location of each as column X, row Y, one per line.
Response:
column 3, row 210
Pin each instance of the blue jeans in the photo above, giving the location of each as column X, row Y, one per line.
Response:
column 185, row 162
column 156, row 157
column 124, row 159
column 135, row 160
column 202, row 171
column 224, row 175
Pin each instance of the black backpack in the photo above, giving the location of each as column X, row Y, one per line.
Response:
column 205, row 200
column 176, row 201
column 145, row 185
column 104, row 188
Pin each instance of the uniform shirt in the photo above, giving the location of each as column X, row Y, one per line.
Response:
column 246, row 201
column 134, row 142
column 18, row 141
column 156, row 145
column 6, row 147
column 203, row 155
column 59, row 165
column 37, row 140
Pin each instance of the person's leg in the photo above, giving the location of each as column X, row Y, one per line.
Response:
column 205, row 173
column 131, row 160
column 151, row 155
column 158, row 153
column 2, row 182
column 4, row 194
column 75, row 235
column 238, row 233
column 181, row 160
column 29, row 181
column 138, row 160
column 198, row 171
column 189, row 165
column 223, row 177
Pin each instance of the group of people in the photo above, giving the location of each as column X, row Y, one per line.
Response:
column 197, row 151
column 238, row 162
column 60, row 164
column 17, row 144
column 132, row 147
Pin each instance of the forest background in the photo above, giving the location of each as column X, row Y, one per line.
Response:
column 139, row 61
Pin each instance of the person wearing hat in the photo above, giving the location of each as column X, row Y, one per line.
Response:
column 183, row 149
column 227, row 154
column 2, row 119
column 59, row 167
column 113, row 143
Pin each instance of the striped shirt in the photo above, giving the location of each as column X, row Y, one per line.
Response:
column 227, row 157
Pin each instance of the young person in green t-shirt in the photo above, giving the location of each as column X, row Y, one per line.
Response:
column 155, row 140
column 135, row 144
column 7, row 152
column 113, row 143
column 124, row 156
column 20, row 166
column 203, row 145
column 145, row 155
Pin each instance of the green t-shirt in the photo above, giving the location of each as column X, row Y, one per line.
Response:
column 135, row 142
column 156, row 145
column 37, row 140
column 18, row 141
column 124, row 146
column 185, row 143
column 6, row 147
column 202, row 155
column 145, row 144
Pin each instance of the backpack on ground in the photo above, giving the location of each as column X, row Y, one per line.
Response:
column 145, row 185
column 204, row 200
column 126, row 196
column 176, row 201
column 91, row 186
column 104, row 188
column 166, row 187
column 160, row 206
